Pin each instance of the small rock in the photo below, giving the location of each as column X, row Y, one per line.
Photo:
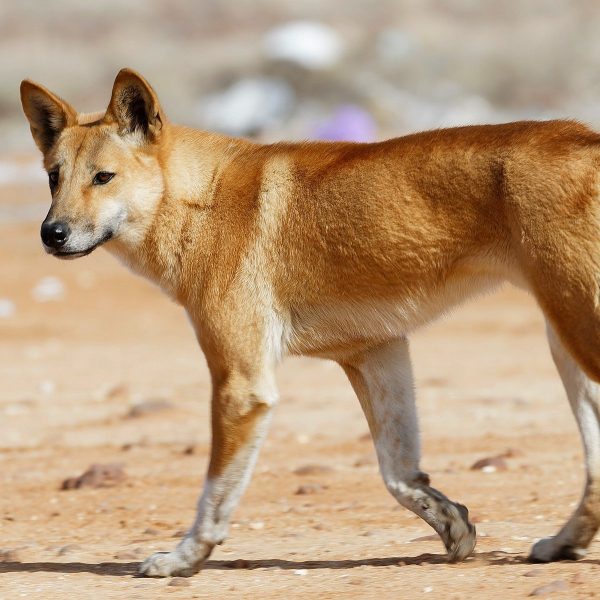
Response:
column 117, row 392
column 127, row 555
column 512, row 453
column 301, row 572
column 48, row 289
column 313, row 470
column 68, row 549
column 189, row 450
column 47, row 387
column 555, row 586
column 7, row 308
column 364, row 461
column 426, row 538
column 257, row 525
column 97, row 476
column 370, row 533
column 180, row 582
column 151, row 531
column 309, row 488
column 9, row 556
column 427, row 590
column 490, row 464
column 149, row 407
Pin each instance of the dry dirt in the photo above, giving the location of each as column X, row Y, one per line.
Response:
column 73, row 368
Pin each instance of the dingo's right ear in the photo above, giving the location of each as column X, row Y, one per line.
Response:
column 48, row 115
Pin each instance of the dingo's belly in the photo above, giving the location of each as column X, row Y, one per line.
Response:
column 335, row 330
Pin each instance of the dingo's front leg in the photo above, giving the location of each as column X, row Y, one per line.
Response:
column 241, row 410
column 382, row 379
column 577, row 533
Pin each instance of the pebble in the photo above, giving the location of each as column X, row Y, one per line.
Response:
column 148, row 407
column 120, row 391
column 9, row 556
column 97, row 476
column 47, row 387
column 365, row 461
column 533, row 573
column 313, row 469
column 555, row 586
column 309, row 488
column 128, row 554
column 426, row 538
column 490, row 464
column 48, row 289
column 151, row 531
column 180, row 582
column 301, row 572
column 7, row 308
column 68, row 549
column 257, row 525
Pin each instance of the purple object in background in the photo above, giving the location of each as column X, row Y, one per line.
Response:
column 349, row 123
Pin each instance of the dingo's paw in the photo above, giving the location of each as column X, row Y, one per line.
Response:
column 459, row 535
column 168, row 564
column 551, row 548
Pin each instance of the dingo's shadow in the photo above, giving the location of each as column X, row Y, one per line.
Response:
column 129, row 569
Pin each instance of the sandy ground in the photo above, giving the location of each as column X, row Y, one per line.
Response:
column 72, row 368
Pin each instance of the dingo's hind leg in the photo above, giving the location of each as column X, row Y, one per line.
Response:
column 382, row 379
column 575, row 536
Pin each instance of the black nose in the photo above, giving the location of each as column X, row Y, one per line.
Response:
column 54, row 233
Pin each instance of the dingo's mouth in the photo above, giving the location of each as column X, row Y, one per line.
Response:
column 65, row 255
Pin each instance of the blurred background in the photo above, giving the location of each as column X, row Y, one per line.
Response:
column 97, row 366
column 319, row 68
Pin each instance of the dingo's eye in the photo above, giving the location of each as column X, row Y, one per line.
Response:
column 53, row 179
column 102, row 177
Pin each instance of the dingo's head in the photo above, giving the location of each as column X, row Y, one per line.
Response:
column 103, row 169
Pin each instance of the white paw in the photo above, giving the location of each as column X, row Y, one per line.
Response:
column 552, row 548
column 167, row 564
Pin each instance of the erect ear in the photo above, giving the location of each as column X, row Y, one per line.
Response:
column 48, row 115
column 134, row 106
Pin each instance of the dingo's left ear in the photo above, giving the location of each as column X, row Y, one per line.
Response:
column 48, row 115
column 134, row 106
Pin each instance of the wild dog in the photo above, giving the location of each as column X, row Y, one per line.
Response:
column 334, row 250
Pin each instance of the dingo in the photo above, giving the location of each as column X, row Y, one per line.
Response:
column 337, row 250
